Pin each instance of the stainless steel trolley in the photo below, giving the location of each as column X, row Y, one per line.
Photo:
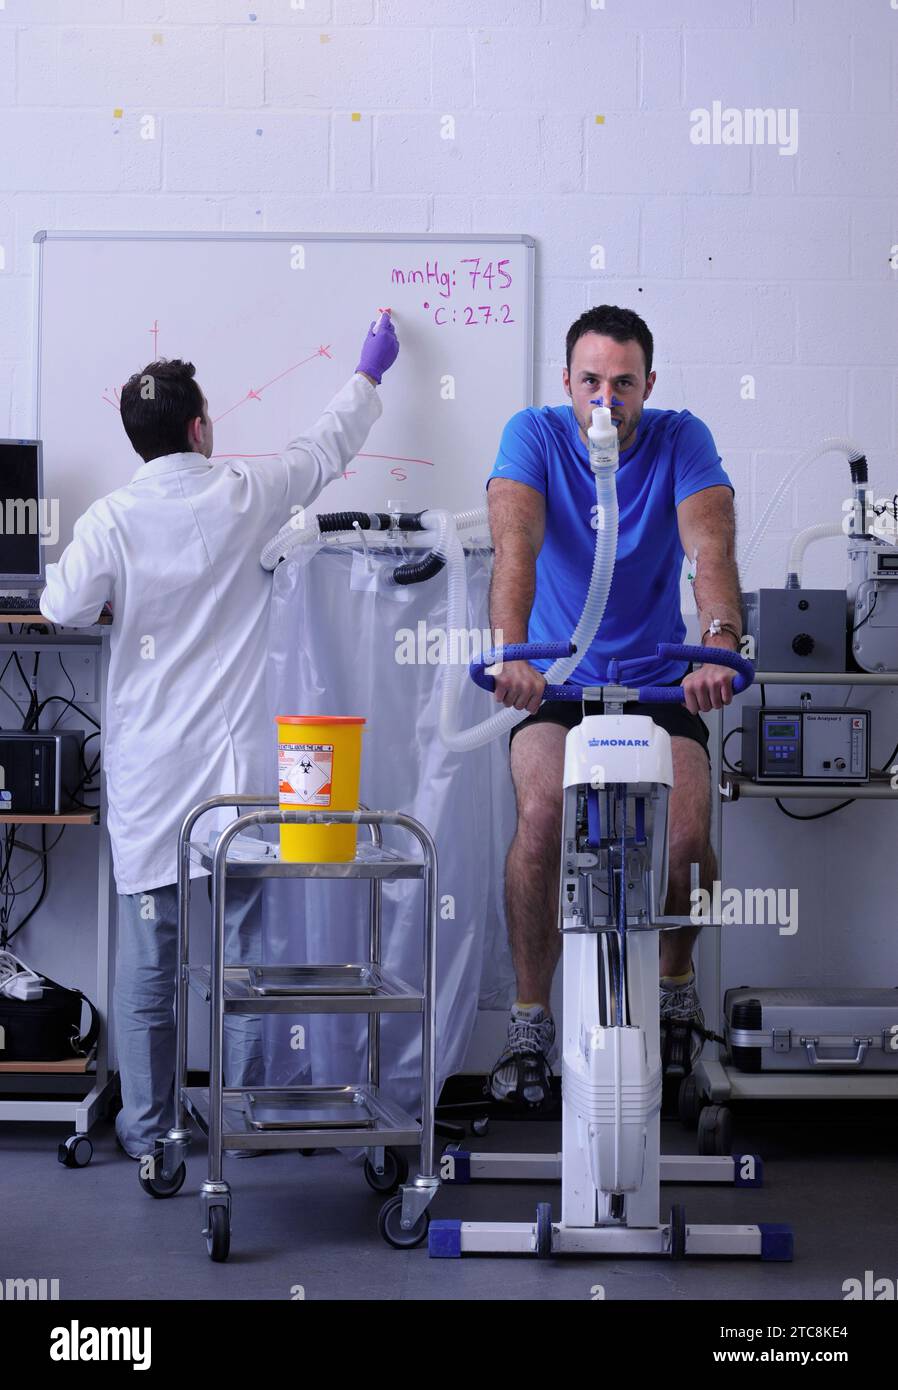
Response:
column 303, row 1117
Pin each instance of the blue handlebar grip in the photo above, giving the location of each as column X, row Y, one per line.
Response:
column 714, row 656
column 518, row 651
column 661, row 694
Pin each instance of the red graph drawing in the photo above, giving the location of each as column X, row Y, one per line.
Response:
column 255, row 394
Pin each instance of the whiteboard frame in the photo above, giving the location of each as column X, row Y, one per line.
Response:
column 421, row 238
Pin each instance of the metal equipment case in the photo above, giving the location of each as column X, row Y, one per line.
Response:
column 796, row 629
column 835, row 1028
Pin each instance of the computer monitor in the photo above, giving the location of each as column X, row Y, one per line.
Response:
column 22, row 512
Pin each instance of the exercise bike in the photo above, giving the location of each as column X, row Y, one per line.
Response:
column 618, row 771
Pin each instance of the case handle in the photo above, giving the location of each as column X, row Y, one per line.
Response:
column 857, row 1061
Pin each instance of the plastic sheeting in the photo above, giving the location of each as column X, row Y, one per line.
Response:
column 336, row 636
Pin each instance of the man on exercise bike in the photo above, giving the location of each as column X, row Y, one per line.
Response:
column 674, row 498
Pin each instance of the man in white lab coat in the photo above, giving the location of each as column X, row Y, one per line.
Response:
column 176, row 553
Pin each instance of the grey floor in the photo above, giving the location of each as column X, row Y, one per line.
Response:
column 313, row 1222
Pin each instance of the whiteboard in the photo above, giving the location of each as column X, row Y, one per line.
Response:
column 274, row 325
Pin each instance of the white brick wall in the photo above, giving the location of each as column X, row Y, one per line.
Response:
column 743, row 260
column 764, row 67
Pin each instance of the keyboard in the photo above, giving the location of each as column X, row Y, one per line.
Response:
column 20, row 603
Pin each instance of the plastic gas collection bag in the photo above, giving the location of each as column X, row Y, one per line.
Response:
column 345, row 642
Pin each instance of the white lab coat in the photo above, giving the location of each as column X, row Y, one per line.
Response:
column 176, row 553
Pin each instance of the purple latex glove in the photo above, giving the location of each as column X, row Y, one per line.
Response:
column 380, row 349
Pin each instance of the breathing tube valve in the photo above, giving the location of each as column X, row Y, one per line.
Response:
column 369, row 521
column 603, row 443
column 415, row 570
column 861, row 497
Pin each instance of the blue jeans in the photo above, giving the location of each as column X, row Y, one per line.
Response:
column 146, row 967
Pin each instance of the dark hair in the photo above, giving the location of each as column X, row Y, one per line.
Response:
column 623, row 325
column 158, row 405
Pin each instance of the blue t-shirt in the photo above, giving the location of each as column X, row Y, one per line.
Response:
column 674, row 455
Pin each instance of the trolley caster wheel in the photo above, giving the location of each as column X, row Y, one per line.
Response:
column 480, row 1126
column 158, row 1186
column 218, row 1235
column 677, row 1232
column 715, row 1130
column 394, row 1174
column 690, row 1102
column 76, row 1152
column 388, row 1223
column 543, row 1231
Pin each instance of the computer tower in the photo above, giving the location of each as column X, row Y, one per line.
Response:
column 39, row 772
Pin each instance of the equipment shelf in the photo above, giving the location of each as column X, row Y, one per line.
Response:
column 716, row 1078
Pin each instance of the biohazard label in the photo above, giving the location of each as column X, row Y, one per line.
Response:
column 305, row 773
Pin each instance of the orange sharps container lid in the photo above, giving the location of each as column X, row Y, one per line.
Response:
column 317, row 719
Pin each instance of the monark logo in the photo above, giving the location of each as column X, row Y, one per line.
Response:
column 77, row 1343
column 618, row 743
column 727, row 125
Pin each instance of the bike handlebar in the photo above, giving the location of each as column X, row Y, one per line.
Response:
column 647, row 694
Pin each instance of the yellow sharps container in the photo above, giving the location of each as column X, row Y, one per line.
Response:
column 319, row 766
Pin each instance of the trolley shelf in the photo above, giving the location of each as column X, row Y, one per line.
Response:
column 369, row 862
column 259, row 1118
column 339, row 989
column 362, row 1117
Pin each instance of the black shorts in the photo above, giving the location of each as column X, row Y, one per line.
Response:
column 676, row 719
